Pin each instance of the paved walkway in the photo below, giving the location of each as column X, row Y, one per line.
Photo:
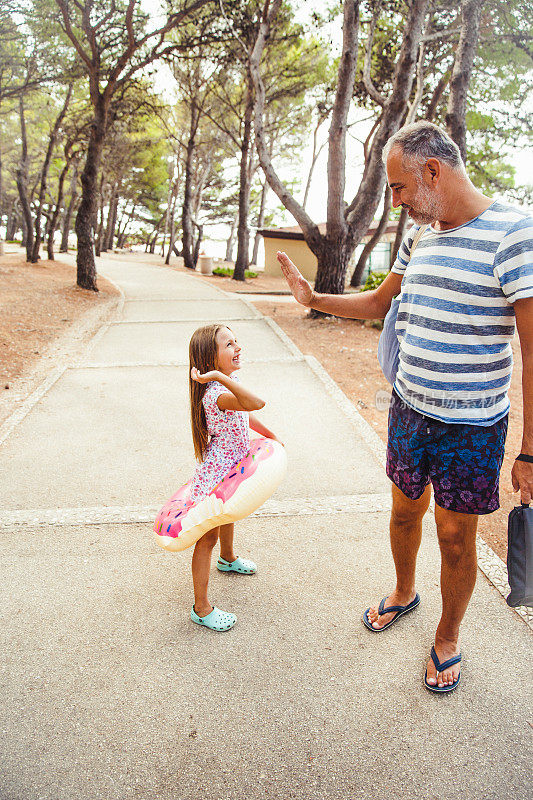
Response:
column 109, row 691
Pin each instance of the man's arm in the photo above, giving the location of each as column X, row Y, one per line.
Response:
column 522, row 472
column 363, row 305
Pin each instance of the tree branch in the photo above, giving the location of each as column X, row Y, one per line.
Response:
column 462, row 69
column 413, row 107
column 337, row 132
column 232, row 29
column 310, row 229
column 367, row 80
column 360, row 211
column 71, row 35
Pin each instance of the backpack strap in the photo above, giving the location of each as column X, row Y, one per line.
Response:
column 418, row 235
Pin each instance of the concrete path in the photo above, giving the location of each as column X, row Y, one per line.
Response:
column 109, row 691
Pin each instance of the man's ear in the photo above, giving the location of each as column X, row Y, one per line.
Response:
column 433, row 170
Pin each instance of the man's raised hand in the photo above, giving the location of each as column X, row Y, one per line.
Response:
column 300, row 288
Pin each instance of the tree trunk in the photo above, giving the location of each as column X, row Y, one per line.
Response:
column 231, row 238
column 110, row 241
column 155, row 234
column 121, row 233
column 1, row 200
column 44, row 174
column 333, row 258
column 369, row 246
column 198, row 242
column 99, row 218
column 85, row 219
column 260, row 222
column 172, row 237
column 243, row 231
column 57, row 208
column 22, row 184
column 109, row 235
column 400, row 230
column 462, row 70
column 13, row 222
column 49, row 218
column 65, row 228
column 24, row 231
column 186, row 215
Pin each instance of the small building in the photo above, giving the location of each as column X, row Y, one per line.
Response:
column 291, row 241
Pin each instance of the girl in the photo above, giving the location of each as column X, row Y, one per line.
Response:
column 220, row 420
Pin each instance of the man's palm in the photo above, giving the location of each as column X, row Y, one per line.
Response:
column 300, row 288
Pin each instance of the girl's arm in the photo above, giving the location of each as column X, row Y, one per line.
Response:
column 257, row 426
column 240, row 398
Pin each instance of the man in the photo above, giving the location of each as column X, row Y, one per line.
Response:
column 469, row 279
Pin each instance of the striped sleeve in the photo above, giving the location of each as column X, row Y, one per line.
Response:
column 404, row 252
column 513, row 263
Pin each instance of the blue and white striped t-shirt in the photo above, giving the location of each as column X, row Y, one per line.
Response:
column 456, row 319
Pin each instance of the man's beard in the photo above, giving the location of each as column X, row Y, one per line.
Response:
column 426, row 207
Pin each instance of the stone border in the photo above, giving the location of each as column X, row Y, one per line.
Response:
column 495, row 570
column 103, row 365
column 177, row 321
column 65, row 355
column 8, row 426
column 125, row 515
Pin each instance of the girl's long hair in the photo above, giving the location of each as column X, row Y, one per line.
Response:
column 202, row 355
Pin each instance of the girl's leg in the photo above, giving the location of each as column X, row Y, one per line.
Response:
column 201, row 565
column 226, row 542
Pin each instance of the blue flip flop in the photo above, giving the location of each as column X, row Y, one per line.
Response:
column 400, row 611
column 440, row 668
column 216, row 620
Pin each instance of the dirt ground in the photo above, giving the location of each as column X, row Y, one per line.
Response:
column 347, row 349
column 40, row 302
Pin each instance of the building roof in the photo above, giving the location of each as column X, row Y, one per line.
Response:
column 295, row 232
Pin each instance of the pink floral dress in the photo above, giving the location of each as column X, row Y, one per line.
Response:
column 229, row 441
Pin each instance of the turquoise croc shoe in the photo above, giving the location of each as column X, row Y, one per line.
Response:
column 217, row 620
column 242, row 565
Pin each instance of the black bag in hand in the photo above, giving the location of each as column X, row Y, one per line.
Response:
column 520, row 556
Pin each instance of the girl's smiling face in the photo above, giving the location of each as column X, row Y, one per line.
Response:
column 228, row 352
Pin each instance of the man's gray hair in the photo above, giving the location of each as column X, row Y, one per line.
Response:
column 423, row 140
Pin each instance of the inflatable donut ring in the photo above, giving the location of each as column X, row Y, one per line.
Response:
column 180, row 523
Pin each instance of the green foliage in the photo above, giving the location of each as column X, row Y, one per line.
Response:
column 374, row 280
column 227, row 272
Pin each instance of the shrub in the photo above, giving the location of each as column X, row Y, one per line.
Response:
column 374, row 280
column 227, row 272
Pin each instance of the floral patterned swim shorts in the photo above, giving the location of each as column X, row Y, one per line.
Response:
column 462, row 462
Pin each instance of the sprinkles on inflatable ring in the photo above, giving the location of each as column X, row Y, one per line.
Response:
column 180, row 523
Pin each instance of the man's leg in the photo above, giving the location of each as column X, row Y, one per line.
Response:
column 457, row 541
column 405, row 538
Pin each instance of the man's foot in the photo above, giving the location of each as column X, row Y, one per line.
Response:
column 401, row 604
column 444, row 651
